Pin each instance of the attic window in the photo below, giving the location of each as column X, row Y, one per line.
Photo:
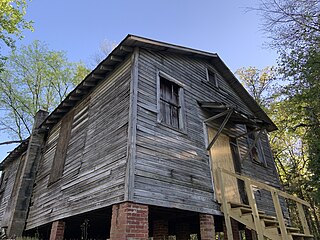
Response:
column 212, row 77
column 256, row 152
column 170, row 95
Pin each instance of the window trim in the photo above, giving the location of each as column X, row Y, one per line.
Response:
column 216, row 83
column 61, row 148
column 262, row 159
column 181, row 86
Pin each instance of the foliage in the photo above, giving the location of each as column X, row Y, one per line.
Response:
column 34, row 78
column 293, row 27
column 290, row 143
column 259, row 83
column 105, row 48
column 12, row 20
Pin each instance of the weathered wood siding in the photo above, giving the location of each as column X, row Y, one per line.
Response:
column 95, row 165
column 7, row 188
column 172, row 167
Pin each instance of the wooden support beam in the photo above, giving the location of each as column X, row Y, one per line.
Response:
column 247, row 133
column 106, row 67
column 62, row 110
column 126, row 49
column 56, row 115
column 81, row 91
column 217, row 116
column 254, row 208
column 51, row 121
column 229, row 112
column 280, row 218
column 116, row 59
column 303, row 219
column 89, row 84
column 74, row 98
column 224, row 205
column 67, row 104
column 97, row 77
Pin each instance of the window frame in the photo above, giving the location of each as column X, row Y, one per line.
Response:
column 215, row 74
column 181, row 115
column 61, row 148
column 259, row 148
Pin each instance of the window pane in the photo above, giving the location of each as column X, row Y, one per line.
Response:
column 169, row 102
column 174, row 116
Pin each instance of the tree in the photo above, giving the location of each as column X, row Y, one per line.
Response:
column 12, row 23
column 259, row 83
column 105, row 48
column 12, row 20
column 34, row 78
column 289, row 143
column 293, row 27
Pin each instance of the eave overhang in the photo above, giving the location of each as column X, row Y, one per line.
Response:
column 21, row 148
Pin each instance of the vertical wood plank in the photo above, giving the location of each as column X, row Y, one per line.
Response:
column 225, row 206
column 253, row 205
column 132, row 128
column 277, row 207
column 303, row 219
column 61, row 149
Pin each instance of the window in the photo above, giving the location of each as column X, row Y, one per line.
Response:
column 170, row 109
column 3, row 181
column 256, row 152
column 212, row 78
column 61, row 148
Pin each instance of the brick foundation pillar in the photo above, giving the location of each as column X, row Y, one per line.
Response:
column 160, row 230
column 129, row 221
column 183, row 231
column 235, row 230
column 57, row 230
column 207, row 231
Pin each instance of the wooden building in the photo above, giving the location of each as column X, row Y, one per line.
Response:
column 158, row 141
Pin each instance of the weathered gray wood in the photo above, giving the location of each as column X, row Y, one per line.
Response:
column 9, row 178
column 61, row 149
column 25, row 177
column 132, row 127
column 158, row 146
column 94, row 171
column 119, row 151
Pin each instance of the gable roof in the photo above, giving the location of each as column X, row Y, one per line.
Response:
column 126, row 47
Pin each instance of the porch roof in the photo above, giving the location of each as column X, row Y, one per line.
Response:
column 237, row 116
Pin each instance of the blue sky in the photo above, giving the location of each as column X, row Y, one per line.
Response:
column 80, row 26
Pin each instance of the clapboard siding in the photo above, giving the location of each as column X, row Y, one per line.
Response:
column 172, row 166
column 94, row 170
column 10, row 175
